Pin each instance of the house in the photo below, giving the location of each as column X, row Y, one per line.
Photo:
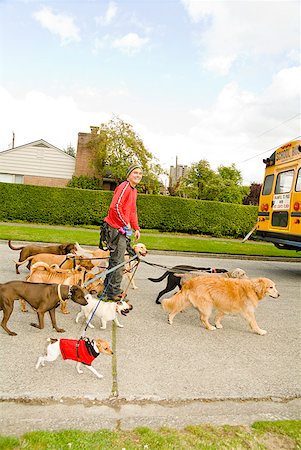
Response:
column 38, row 163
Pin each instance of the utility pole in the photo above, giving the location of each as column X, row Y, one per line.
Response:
column 13, row 143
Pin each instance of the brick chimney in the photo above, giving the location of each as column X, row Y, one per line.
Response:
column 83, row 155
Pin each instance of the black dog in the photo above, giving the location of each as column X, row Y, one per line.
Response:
column 173, row 281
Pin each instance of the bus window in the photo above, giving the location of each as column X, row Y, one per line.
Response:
column 268, row 183
column 284, row 182
column 298, row 182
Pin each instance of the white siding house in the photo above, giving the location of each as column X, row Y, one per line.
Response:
column 38, row 163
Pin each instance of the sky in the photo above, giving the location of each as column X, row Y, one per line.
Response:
column 214, row 80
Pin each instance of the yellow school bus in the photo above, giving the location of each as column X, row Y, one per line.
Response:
column 279, row 215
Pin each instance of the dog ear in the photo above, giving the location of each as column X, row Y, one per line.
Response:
column 260, row 287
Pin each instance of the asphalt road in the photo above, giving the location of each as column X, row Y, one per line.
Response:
column 165, row 375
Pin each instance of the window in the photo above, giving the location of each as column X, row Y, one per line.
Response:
column 298, row 182
column 11, row 178
column 284, row 182
column 268, row 183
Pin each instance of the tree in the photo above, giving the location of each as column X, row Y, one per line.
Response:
column 115, row 145
column 205, row 184
column 254, row 194
column 70, row 150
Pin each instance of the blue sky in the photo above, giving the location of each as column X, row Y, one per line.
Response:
column 214, row 80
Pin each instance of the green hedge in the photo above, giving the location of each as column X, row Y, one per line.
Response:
column 69, row 206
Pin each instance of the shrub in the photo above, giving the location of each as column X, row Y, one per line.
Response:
column 70, row 206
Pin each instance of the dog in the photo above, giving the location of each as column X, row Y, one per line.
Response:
column 42, row 273
column 83, row 351
column 174, row 281
column 105, row 311
column 227, row 296
column 236, row 273
column 98, row 257
column 69, row 261
column 41, row 297
column 33, row 249
column 139, row 249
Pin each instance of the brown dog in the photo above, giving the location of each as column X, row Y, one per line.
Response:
column 41, row 297
column 33, row 249
column 68, row 261
column 42, row 273
column 227, row 296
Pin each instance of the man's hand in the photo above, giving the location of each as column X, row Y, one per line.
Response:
column 137, row 235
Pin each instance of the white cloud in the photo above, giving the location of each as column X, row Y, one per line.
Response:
column 130, row 43
column 109, row 15
column 230, row 30
column 58, row 24
column 239, row 124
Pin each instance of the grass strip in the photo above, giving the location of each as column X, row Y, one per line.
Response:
column 260, row 436
column 163, row 241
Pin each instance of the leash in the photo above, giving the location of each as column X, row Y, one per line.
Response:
column 102, row 275
column 171, row 270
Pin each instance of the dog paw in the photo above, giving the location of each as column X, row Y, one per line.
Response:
column 91, row 326
column 218, row 326
column 211, row 328
column 261, row 332
column 119, row 325
column 60, row 330
column 99, row 375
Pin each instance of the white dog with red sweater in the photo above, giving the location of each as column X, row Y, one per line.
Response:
column 81, row 350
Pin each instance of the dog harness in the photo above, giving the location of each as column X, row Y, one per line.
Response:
column 81, row 350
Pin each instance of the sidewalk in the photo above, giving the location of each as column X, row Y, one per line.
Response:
column 161, row 375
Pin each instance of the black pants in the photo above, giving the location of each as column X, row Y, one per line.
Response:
column 117, row 244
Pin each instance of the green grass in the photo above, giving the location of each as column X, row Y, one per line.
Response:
column 260, row 436
column 163, row 241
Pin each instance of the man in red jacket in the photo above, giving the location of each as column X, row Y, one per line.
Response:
column 120, row 222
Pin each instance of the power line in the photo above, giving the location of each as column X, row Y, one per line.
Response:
column 271, row 149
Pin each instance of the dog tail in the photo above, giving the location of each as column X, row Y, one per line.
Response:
column 156, row 280
column 14, row 248
column 19, row 263
column 52, row 340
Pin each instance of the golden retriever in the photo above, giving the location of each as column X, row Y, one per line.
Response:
column 226, row 296
column 140, row 250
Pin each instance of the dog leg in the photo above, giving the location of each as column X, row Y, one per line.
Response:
column 78, row 368
column 250, row 318
column 39, row 325
column 204, row 319
column 103, row 324
column 53, row 351
column 80, row 314
column 95, row 371
column 172, row 316
column 6, row 315
column 219, row 316
column 118, row 324
column 63, row 304
column 23, row 306
column 53, row 321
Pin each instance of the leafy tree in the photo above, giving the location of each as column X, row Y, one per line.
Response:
column 205, row 184
column 253, row 197
column 115, row 146
column 70, row 150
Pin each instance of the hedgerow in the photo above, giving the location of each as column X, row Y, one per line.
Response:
column 70, row 206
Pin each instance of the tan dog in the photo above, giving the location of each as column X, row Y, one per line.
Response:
column 33, row 249
column 236, row 273
column 140, row 250
column 227, row 296
column 99, row 258
column 42, row 273
column 64, row 261
column 41, row 297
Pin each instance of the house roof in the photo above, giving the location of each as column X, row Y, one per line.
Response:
column 40, row 143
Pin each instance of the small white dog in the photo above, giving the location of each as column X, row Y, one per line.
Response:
column 81, row 350
column 105, row 311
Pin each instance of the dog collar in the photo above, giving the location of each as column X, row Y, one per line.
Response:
column 59, row 292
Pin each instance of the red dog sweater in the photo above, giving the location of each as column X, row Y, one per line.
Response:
column 81, row 350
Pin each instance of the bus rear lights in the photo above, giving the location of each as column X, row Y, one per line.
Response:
column 262, row 219
column 296, row 206
column 296, row 221
column 264, row 207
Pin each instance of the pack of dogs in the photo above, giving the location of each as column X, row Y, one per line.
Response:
column 67, row 272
